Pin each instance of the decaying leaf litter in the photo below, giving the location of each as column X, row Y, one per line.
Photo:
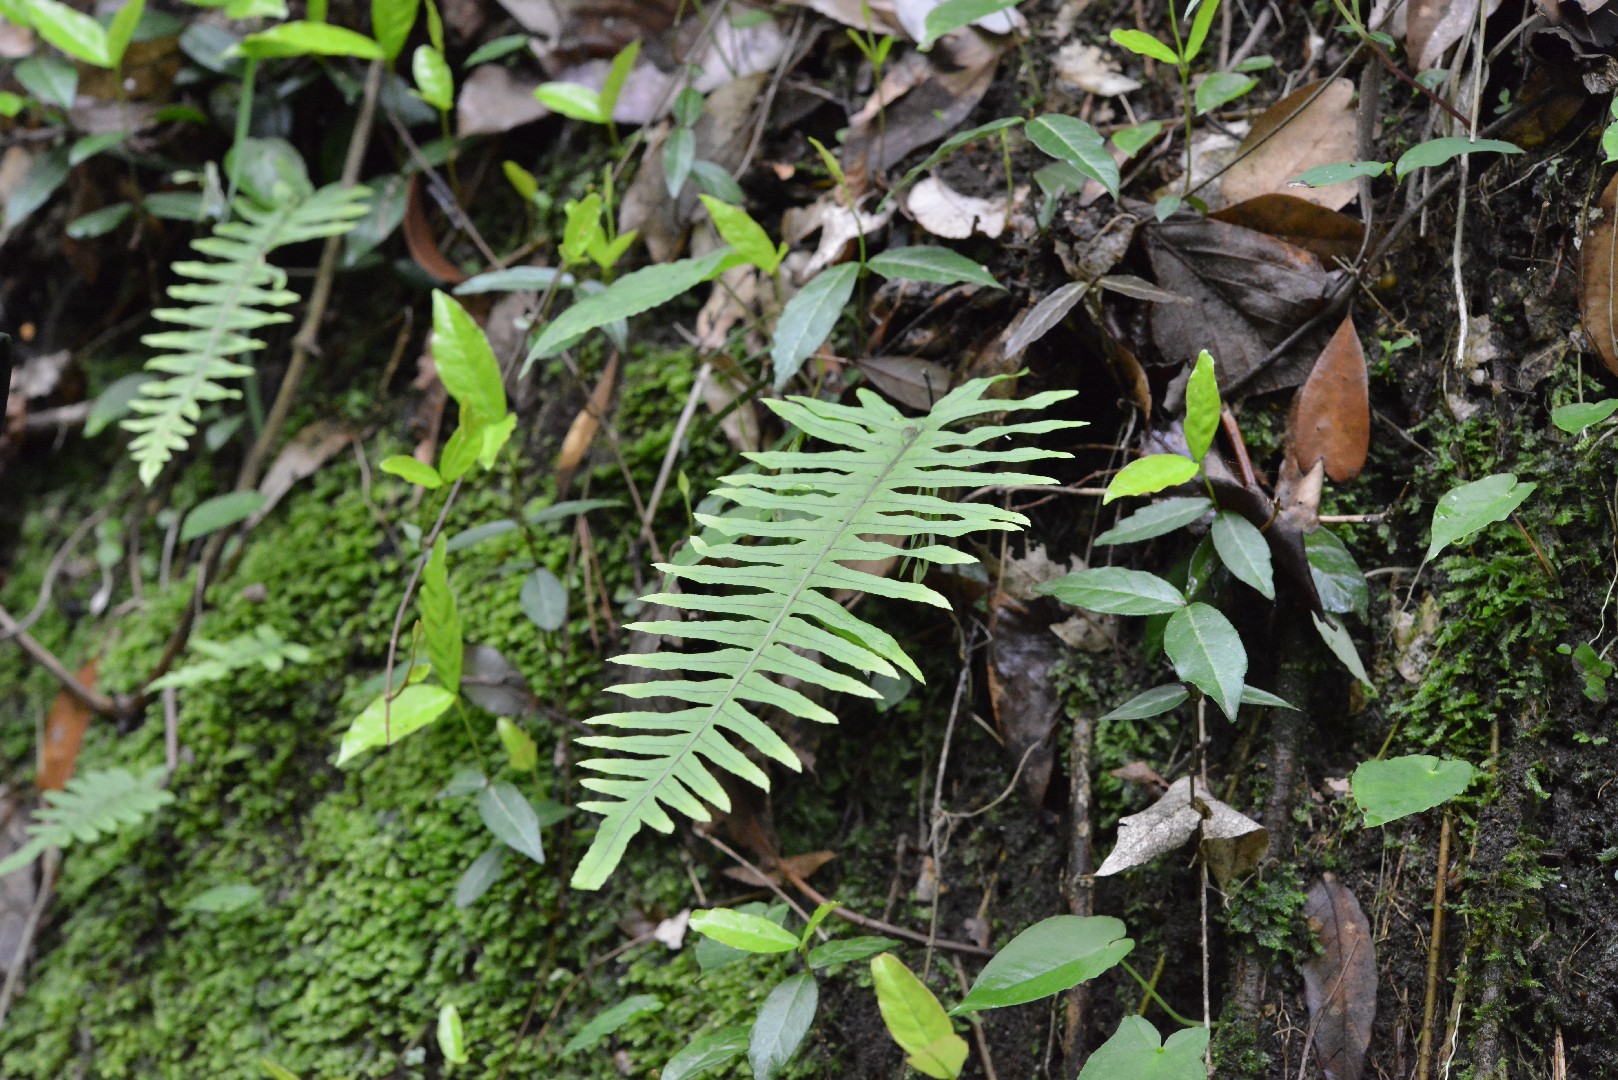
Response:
column 1110, row 279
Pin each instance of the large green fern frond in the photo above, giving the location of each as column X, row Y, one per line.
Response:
column 90, row 806
column 810, row 518
column 228, row 299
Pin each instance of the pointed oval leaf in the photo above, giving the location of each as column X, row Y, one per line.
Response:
column 610, row 1020
column 1115, row 590
column 783, row 1021
column 1341, row 645
column 1470, row 507
column 308, row 39
column 414, row 708
column 480, row 876
column 1340, row 172
column 924, row 262
column 1154, row 702
column 1144, row 44
column 951, row 15
column 1438, row 151
column 739, row 930
column 408, row 468
column 219, row 512
column 1069, row 139
column 808, row 319
column 1135, row 1052
column 916, row 1020
column 1252, row 695
column 738, row 229
column 571, row 100
column 1201, row 406
column 512, row 820
column 1207, row 653
column 1156, row 520
column 1150, row 474
column 847, row 951
column 434, row 82
column 706, row 1053
column 1244, row 551
column 1389, row 790
column 1221, row 88
column 466, row 365
column 544, row 600
column 72, row 31
column 1337, row 576
column 1053, row 955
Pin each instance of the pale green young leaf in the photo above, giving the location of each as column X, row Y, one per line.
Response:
column 451, row 1035
column 510, row 816
column 466, row 365
column 391, row 23
column 522, row 753
column 951, row 15
column 496, row 48
column 1464, row 510
column 1244, row 551
column 630, row 295
column 1139, row 41
column 219, row 512
column 224, row 899
column 122, row 30
column 1201, row 406
column 435, row 26
column 70, row 30
column 1132, row 140
column 11, row 104
column 1199, row 33
column 434, row 82
column 1207, row 652
column 274, row 1070
column 622, row 64
column 1051, row 956
column 571, row 100
column 706, row 1053
column 808, row 319
column 1158, row 519
column 412, row 709
column 935, row 264
column 610, row 1020
column 410, row 469
column 1136, row 1052
column 740, row 930
column 828, row 159
column 1398, row 787
column 581, row 228
column 1436, row 152
column 916, row 1020
column 815, row 919
column 1154, row 702
column 606, row 253
column 308, row 39
column 1115, row 590
column 783, row 1021
column 1069, row 139
column 94, row 804
column 1576, row 417
column 737, row 228
column 1609, row 144
column 441, row 620
column 1149, row 475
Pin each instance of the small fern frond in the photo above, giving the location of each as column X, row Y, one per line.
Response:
column 228, row 299
column 92, row 805
column 795, row 535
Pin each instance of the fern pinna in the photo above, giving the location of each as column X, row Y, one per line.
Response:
column 229, row 299
column 810, row 517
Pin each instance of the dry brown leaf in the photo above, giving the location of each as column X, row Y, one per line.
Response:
column 1340, row 981
column 582, row 432
column 1329, row 234
column 1598, row 274
column 1138, row 772
column 907, row 380
column 1023, row 654
column 1251, row 291
column 876, row 16
column 839, row 228
column 419, row 239
column 1429, row 38
column 802, row 866
column 1331, row 416
column 64, row 735
column 1092, row 70
column 1293, row 135
column 1232, row 842
column 307, row 451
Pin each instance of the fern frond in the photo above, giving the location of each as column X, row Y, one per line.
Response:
column 809, row 518
column 92, row 805
column 228, row 299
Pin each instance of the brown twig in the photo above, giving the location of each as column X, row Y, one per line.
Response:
column 1435, row 945
column 868, row 923
column 91, row 699
column 30, row 927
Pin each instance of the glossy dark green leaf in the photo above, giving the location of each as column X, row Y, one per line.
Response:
column 1051, row 956
column 1158, row 519
column 1115, row 590
column 1069, row 139
column 1337, row 577
column 1154, row 702
column 1464, row 510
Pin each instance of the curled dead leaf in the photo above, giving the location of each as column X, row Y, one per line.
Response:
column 943, row 211
column 1331, row 416
column 1232, row 842
column 419, row 239
column 582, row 432
column 1598, row 273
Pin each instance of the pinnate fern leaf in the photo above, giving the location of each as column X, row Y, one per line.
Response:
column 796, row 532
column 227, row 298
column 92, row 805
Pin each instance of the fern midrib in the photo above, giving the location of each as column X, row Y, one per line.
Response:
column 238, row 285
column 707, row 722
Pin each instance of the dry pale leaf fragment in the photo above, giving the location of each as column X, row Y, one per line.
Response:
column 908, row 380
column 1432, row 27
column 943, row 211
column 1232, row 842
column 1092, row 70
column 313, row 446
column 1331, row 416
column 1340, row 981
column 1598, row 273
column 839, row 228
column 1294, row 135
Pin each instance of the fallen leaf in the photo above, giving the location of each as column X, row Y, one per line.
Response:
column 1598, row 275
column 65, row 725
column 943, row 211
column 18, row 889
column 1138, row 772
column 1339, row 982
column 1023, row 654
column 1329, row 234
column 839, row 228
column 672, row 930
column 801, row 866
column 1092, row 70
column 875, row 16
column 1251, row 291
column 1232, row 843
column 1291, row 136
column 302, row 457
column 582, row 432
column 495, row 99
column 1429, row 39
column 419, row 239
column 907, row 380
column 1331, row 415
